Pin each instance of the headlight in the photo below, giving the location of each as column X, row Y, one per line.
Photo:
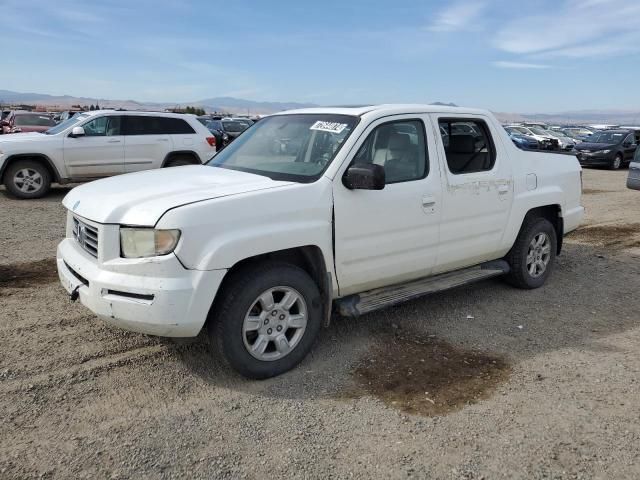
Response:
column 603, row 151
column 225, row 137
column 147, row 242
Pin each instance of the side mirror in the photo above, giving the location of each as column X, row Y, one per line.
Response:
column 364, row 176
column 77, row 132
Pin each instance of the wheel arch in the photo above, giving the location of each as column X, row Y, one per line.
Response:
column 309, row 258
column 552, row 213
column 181, row 153
column 39, row 157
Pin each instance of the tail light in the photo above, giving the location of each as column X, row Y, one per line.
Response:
column 211, row 141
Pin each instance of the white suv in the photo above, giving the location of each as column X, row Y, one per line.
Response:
column 101, row 144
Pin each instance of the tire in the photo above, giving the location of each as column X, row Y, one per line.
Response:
column 179, row 161
column 616, row 163
column 27, row 179
column 531, row 263
column 251, row 315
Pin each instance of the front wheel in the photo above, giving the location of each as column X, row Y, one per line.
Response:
column 616, row 163
column 27, row 179
column 267, row 319
column 533, row 255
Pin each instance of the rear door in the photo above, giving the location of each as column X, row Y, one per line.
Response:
column 184, row 137
column 478, row 191
column 100, row 152
column 388, row 236
column 146, row 142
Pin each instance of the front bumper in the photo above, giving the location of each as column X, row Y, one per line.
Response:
column 157, row 296
column 594, row 160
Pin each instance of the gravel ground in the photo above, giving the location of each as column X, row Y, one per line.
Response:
column 484, row 381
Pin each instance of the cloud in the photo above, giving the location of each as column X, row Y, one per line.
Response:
column 577, row 29
column 458, row 16
column 520, row 65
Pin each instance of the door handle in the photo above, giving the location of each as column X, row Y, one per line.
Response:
column 428, row 201
column 503, row 189
column 113, row 141
column 428, row 204
column 162, row 140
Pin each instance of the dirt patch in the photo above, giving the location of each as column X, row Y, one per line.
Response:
column 593, row 191
column 426, row 376
column 610, row 236
column 28, row 274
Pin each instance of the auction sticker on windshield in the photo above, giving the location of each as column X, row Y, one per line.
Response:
column 332, row 127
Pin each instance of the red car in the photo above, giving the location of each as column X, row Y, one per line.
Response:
column 18, row 121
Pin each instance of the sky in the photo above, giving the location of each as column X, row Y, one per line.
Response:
column 508, row 56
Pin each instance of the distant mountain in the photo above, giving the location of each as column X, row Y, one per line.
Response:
column 606, row 117
column 239, row 105
column 242, row 106
column 219, row 104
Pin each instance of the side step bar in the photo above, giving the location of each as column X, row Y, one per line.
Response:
column 365, row 302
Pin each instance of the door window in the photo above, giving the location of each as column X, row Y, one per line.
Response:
column 102, row 126
column 631, row 139
column 145, row 125
column 468, row 145
column 400, row 148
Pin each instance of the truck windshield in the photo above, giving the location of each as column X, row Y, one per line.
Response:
column 297, row 147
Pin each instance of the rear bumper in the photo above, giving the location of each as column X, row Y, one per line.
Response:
column 157, row 296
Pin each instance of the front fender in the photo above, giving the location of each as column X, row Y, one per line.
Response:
column 219, row 233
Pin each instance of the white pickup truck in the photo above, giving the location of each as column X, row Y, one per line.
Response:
column 313, row 211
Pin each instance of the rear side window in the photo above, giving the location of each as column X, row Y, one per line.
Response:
column 400, row 148
column 146, row 125
column 176, row 126
column 468, row 145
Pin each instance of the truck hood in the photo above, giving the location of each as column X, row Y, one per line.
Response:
column 142, row 198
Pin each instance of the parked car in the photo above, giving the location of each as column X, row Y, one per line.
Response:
column 565, row 143
column 579, row 133
column 633, row 180
column 215, row 127
column 301, row 215
column 100, row 144
column 545, row 141
column 233, row 127
column 608, row 148
column 19, row 121
column 524, row 142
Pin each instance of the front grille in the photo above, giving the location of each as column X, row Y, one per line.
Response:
column 86, row 236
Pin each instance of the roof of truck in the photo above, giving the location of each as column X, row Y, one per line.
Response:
column 386, row 109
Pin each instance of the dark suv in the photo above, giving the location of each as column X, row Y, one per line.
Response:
column 608, row 148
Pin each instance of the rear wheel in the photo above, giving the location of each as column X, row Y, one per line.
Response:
column 266, row 320
column 533, row 255
column 616, row 163
column 27, row 179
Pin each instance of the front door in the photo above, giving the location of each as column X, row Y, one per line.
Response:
column 478, row 191
column 389, row 236
column 99, row 152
